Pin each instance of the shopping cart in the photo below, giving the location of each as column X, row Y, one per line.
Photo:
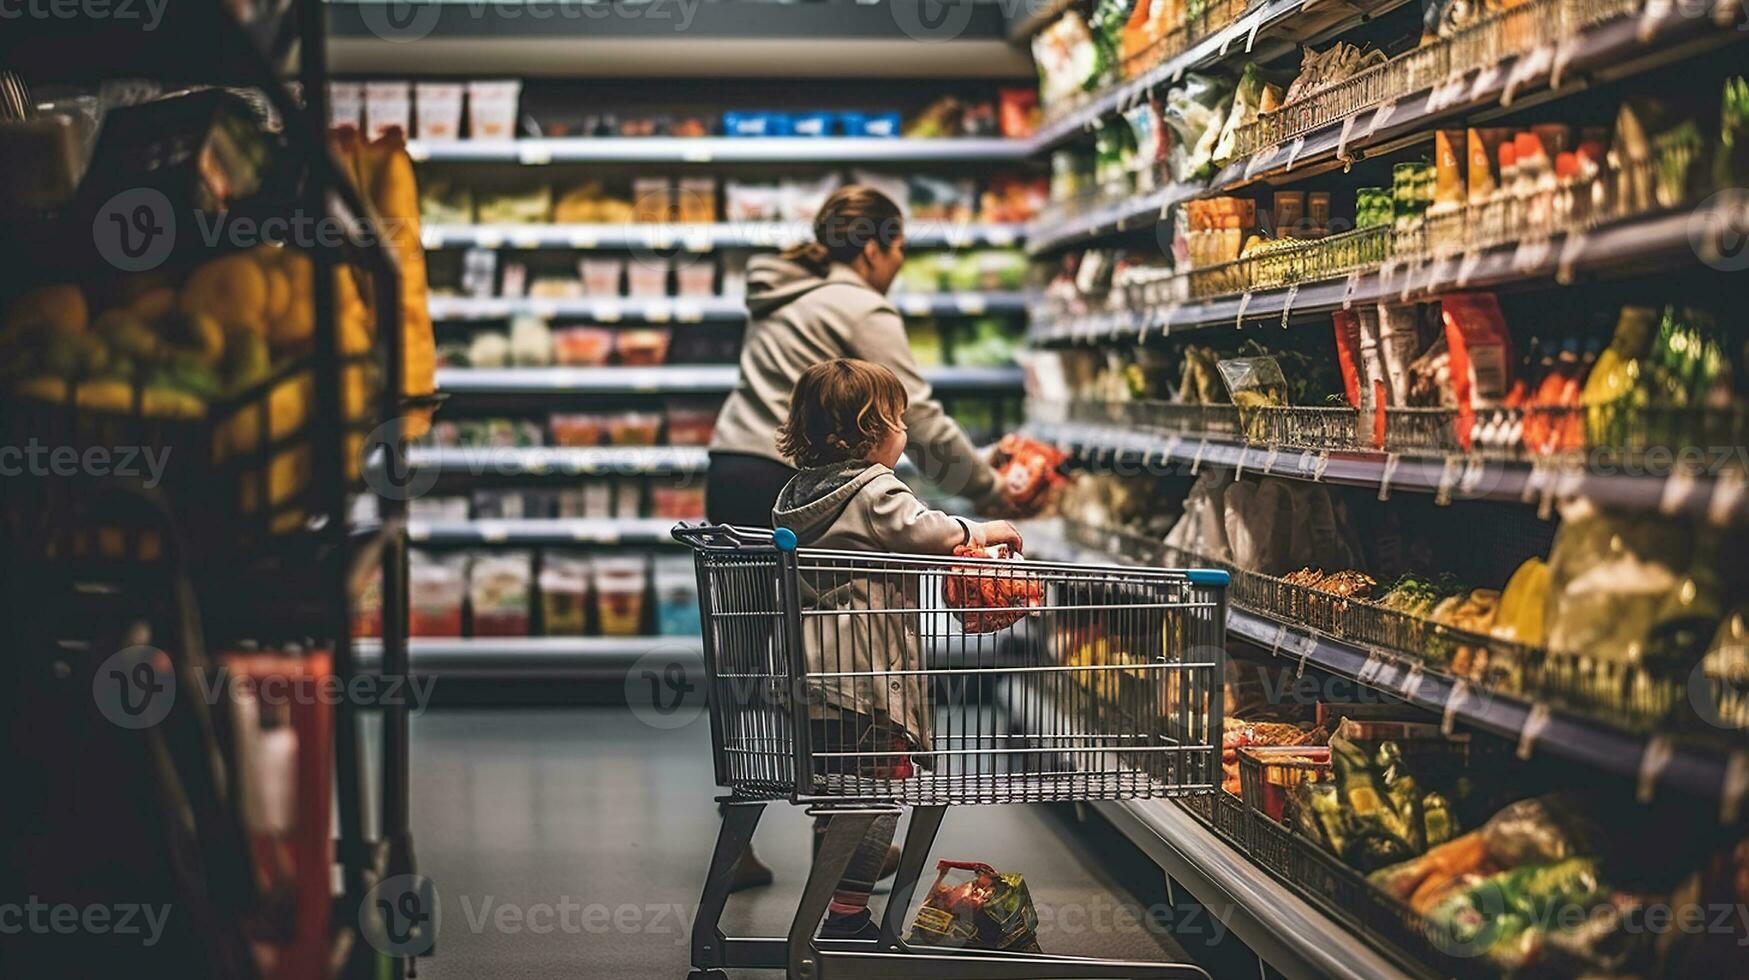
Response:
column 1111, row 680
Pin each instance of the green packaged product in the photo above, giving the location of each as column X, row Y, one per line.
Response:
column 981, row 909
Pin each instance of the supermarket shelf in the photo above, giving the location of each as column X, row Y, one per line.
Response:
column 1695, row 772
column 721, row 149
column 697, row 237
column 704, row 309
column 1033, row 16
column 1282, row 928
column 687, row 379
column 1635, row 245
column 641, row 532
column 474, row 464
column 1615, row 49
column 1720, row 500
column 1294, row 19
column 1113, row 218
column 598, row 658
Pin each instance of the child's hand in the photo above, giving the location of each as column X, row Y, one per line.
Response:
column 1001, row 532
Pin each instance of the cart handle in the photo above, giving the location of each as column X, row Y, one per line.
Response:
column 727, row 537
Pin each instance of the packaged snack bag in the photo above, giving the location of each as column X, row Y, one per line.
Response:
column 1029, row 470
column 982, row 589
column 987, row 910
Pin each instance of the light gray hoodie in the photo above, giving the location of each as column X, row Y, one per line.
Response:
column 852, row 625
column 799, row 319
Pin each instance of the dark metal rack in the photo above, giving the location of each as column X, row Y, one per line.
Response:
column 296, row 582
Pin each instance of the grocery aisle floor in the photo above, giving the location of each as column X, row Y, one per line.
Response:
column 521, row 814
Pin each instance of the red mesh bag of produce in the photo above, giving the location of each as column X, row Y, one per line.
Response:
column 982, row 595
column 1029, row 470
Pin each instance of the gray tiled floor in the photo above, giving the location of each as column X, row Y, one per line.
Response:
column 571, row 843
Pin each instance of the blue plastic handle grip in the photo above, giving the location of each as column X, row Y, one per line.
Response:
column 785, row 539
column 1207, row 576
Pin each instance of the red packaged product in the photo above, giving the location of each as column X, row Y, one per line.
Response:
column 1481, row 356
column 980, row 591
column 1029, row 470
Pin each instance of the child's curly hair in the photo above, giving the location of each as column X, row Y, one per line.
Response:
column 841, row 410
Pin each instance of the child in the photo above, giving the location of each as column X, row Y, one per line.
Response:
column 846, row 433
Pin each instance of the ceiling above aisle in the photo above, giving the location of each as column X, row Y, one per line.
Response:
column 681, row 38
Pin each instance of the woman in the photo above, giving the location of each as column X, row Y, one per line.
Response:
column 817, row 302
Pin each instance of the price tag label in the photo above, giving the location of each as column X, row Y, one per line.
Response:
column 535, row 464
column 1308, row 463
column 583, row 238
column 698, row 242
column 1411, row 682
column 493, row 532
column 971, row 304
column 1728, row 492
column 1244, row 306
column 1467, row 267
column 693, row 154
column 605, row 311
column 1680, row 490
column 1307, row 645
column 659, row 239
column 1571, row 251
column 595, row 533
column 1280, row 638
column 1287, row 304
column 1349, row 290
column 1460, row 693
column 1531, row 255
column 488, row 238
column 418, row 151
column 1381, row 117
column 432, row 238
column 534, row 153
column 1392, row 461
column 546, row 309
column 1735, row 784
column 1000, row 236
column 1318, row 469
column 1342, row 141
column 525, row 240
column 1659, row 751
column 418, row 531
column 1535, row 724
column 914, row 305
column 688, row 312
column 1448, row 477
column 1269, row 460
column 1202, row 447
column 1371, row 670
column 1486, row 80
column 1294, row 151
column 658, row 311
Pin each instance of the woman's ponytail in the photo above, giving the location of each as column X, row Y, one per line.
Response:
column 848, row 220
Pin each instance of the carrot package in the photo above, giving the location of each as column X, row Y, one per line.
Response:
column 979, row 908
column 1481, row 356
column 1029, row 469
column 982, row 596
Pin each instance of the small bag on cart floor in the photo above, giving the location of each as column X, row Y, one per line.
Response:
column 974, row 906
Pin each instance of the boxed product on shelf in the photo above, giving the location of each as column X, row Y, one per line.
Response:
column 679, row 503
column 621, row 589
column 628, row 428
column 871, row 124
column 531, row 341
column 745, row 201
column 696, row 200
column 628, row 497
column 755, row 123
column 589, row 203
column 493, row 109
column 533, row 206
column 579, row 429
column 438, row 110
column 811, row 124
column 565, row 592
column 388, row 105
column 499, row 590
column 601, row 275
column 1013, row 200
column 799, row 199
column 437, row 588
column 1019, row 112
column 676, row 581
column 346, row 105
column 695, row 277
column 953, row 201
column 582, row 346
column 691, row 424
column 643, row 347
column 647, row 276
column 653, row 200
column 438, row 508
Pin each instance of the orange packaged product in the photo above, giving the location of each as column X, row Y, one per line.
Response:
column 1029, row 470
column 988, row 599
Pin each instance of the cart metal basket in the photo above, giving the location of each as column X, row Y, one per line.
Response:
column 854, row 683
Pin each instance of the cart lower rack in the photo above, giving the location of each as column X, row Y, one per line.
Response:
column 856, row 683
